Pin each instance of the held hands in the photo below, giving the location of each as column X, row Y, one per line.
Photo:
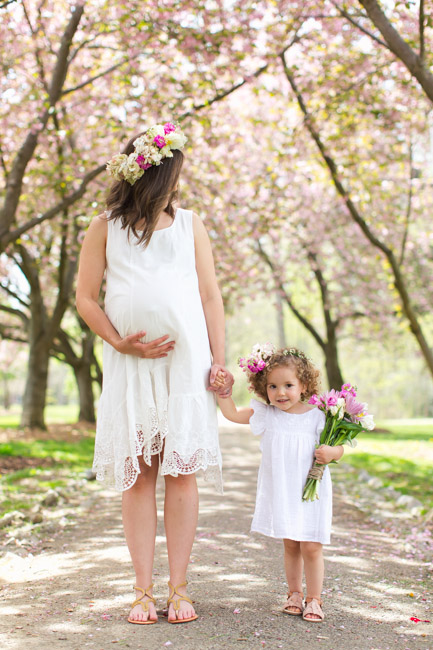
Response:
column 152, row 350
column 221, row 380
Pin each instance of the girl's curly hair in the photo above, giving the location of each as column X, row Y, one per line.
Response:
column 304, row 368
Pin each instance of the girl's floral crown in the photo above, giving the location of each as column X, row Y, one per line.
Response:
column 261, row 355
column 156, row 143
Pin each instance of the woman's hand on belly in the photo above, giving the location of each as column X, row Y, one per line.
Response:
column 152, row 350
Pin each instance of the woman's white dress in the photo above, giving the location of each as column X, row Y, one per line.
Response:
column 288, row 441
column 148, row 402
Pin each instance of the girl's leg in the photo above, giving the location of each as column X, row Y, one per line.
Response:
column 180, row 517
column 293, row 565
column 312, row 553
column 139, row 524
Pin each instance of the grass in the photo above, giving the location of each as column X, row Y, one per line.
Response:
column 22, row 489
column 54, row 414
column 400, row 454
column 77, row 456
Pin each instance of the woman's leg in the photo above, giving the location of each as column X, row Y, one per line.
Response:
column 293, row 565
column 180, row 517
column 139, row 524
column 312, row 553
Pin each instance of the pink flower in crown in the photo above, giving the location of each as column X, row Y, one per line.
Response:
column 256, row 365
column 169, row 127
column 159, row 141
column 141, row 162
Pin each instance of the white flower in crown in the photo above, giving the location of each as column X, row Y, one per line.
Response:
column 157, row 143
column 175, row 140
column 115, row 165
column 263, row 350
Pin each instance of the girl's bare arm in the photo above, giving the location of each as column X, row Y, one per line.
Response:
column 232, row 413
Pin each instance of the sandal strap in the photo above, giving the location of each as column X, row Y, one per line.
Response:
column 314, row 606
column 173, row 592
column 294, row 599
column 144, row 594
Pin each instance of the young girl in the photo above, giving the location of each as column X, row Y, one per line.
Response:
column 163, row 332
column 290, row 429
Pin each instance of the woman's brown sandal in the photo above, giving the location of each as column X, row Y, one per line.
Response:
column 171, row 600
column 313, row 606
column 144, row 605
column 295, row 600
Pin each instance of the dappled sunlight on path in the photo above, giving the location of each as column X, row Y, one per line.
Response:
column 75, row 593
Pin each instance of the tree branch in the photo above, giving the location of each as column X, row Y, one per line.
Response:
column 399, row 280
column 25, row 153
column 15, row 312
column 408, row 209
column 14, row 295
column 90, row 80
column 52, row 212
column 421, row 31
column 308, row 326
column 350, row 18
column 399, row 46
column 223, row 94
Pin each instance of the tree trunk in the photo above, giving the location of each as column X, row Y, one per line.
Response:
column 84, row 381
column 36, row 384
column 281, row 334
column 333, row 372
column 6, row 394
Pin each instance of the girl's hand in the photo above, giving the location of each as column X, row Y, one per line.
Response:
column 152, row 350
column 324, row 454
column 221, row 380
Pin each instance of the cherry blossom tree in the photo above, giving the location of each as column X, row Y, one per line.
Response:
column 72, row 100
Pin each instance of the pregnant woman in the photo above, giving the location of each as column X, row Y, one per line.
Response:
column 163, row 332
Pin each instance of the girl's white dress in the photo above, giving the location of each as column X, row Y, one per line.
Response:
column 148, row 402
column 287, row 444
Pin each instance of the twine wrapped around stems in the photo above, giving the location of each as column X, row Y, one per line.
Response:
column 316, row 472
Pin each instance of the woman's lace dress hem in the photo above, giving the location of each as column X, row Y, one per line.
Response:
column 121, row 474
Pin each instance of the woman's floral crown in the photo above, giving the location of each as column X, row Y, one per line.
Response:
column 261, row 354
column 156, row 143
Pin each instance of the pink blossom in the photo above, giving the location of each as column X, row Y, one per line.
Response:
column 256, row 366
column 159, row 141
column 314, row 400
column 169, row 127
column 353, row 408
column 348, row 388
column 330, row 397
column 141, row 162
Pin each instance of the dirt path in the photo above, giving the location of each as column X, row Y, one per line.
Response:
column 73, row 593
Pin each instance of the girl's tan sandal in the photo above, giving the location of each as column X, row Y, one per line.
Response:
column 171, row 600
column 294, row 599
column 313, row 606
column 144, row 605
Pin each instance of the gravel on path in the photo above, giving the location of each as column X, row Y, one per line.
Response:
column 74, row 592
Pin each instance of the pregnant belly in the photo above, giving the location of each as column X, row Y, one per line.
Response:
column 156, row 317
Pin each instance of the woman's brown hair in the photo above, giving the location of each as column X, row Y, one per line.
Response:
column 304, row 368
column 153, row 193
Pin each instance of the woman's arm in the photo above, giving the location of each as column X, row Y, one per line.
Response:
column 324, row 454
column 212, row 303
column 232, row 413
column 90, row 274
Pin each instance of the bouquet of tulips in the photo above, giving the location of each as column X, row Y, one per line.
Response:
column 345, row 418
